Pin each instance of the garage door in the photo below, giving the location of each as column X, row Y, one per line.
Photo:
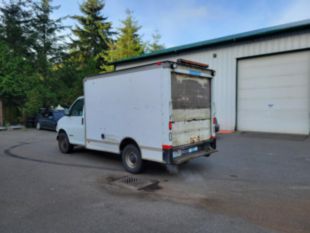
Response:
column 273, row 93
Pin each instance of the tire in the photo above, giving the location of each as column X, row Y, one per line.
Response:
column 64, row 144
column 38, row 126
column 132, row 160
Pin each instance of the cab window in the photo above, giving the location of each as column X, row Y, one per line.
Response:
column 77, row 108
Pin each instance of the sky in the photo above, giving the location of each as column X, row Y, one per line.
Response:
column 187, row 21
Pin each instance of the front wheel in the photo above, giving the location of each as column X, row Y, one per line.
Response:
column 131, row 158
column 64, row 144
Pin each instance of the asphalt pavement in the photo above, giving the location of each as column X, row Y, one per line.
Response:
column 255, row 183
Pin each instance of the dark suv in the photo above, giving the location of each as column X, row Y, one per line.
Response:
column 48, row 120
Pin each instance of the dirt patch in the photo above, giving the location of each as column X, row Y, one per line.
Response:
column 273, row 212
column 164, row 191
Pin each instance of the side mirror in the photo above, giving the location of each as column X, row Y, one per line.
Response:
column 67, row 113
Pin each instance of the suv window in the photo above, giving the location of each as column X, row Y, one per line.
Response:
column 77, row 108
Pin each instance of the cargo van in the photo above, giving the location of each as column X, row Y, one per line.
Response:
column 160, row 112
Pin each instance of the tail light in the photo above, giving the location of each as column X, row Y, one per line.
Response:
column 214, row 120
column 170, row 125
column 166, row 147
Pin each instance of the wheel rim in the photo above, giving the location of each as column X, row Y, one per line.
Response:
column 131, row 159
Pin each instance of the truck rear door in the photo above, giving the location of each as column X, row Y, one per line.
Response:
column 191, row 106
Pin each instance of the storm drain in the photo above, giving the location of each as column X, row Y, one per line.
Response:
column 136, row 183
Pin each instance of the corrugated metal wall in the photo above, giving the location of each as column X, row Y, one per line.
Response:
column 225, row 65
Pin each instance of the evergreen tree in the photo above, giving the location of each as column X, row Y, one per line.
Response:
column 15, row 20
column 16, row 79
column 155, row 44
column 16, row 71
column 128, row 42
column 36, row 70
column 46, row 35
column 92, row 35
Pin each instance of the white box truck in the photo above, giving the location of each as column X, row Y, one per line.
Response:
column 159, row 112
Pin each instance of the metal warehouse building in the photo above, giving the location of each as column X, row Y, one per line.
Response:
column 262, row 81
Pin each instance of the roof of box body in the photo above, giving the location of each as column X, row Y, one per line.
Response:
column 295, row 26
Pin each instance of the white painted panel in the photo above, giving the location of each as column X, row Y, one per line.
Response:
column 273, row 93
column 128, row 105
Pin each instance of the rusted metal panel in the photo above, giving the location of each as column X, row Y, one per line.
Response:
column 186, row 132
column 189, row 92
column 190, row 114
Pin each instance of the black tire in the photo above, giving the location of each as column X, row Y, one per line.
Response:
column 132, row 160
column 64, row 144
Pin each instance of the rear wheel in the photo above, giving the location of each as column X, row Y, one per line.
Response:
column 64, row 144
column 131, row 158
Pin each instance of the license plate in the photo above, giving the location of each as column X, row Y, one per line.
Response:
column 193, row 149
column 177, row 153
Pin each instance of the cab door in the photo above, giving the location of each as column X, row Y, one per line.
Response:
column 75, row 123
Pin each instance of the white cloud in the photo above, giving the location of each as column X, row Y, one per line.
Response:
column 173, row 19
column 182, row 20
column 297, row 10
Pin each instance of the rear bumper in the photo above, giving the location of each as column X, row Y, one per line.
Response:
column 181, row 154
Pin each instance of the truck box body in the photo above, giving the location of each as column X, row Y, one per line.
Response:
column 164, row 108
column 128, row 105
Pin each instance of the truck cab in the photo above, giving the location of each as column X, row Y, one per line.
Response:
column 71, row 128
